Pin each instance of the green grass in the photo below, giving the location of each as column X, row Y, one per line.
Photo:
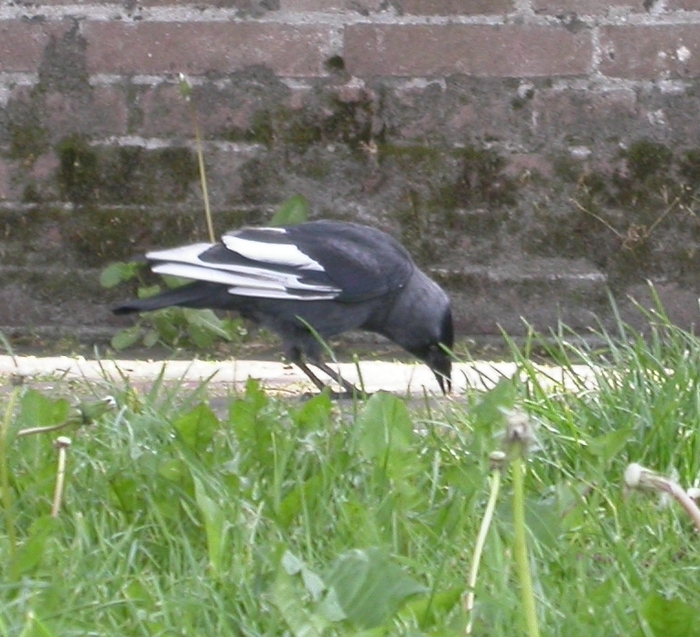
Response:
column 280, row 517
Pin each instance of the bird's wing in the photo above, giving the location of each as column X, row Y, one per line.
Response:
column 363, row 262
column 311, row 261
column 276, row 275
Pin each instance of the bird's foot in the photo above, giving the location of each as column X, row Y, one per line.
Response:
column 338, row 395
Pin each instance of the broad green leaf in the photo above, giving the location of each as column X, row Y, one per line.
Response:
column 315, row 414
column 289, row 598
column 38, row 410
column 385, row 434
column 200, row 336
column 291, row 563
column 609, row 445
column 174, row 470
column 126, row 490
column 151, row 338
column 175, row 281
column 31, row 552
column 670, row 617
column 214, row 526
column 197, row 427
column 369, row 587
column 91, row 410
column 117, row 273
column 253, row 428
column 313, row 583
column 490, row 412
column 544, row 521
column 431, row 610
column 292, row 212
column 148, row 291
column 169, row 324
column 292, row 505
column 126, row 338
column 207, row 320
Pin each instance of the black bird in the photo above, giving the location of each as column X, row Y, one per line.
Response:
column 315, row 279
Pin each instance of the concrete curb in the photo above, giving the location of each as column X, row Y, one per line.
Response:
column 376, row 375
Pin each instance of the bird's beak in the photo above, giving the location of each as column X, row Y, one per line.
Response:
column 441, row 364
column 445, row 382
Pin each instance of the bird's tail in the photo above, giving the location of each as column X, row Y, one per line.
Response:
column 196, row 295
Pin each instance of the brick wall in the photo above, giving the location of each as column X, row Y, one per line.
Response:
column 532, row 153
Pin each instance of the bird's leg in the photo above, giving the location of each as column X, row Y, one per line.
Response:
column 350, row 389
column 298, row 359
column 312, row 377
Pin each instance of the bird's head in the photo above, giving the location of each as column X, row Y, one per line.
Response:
column 436, row 354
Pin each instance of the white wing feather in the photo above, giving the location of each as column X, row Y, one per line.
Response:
column 277, row 253
column 213, row 275
column 246, row 280
column 183, row 254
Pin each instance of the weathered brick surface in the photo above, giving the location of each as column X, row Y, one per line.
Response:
column 332, row 6
column 196, row 48
column 649, row 52
column 495, row 139
column 231, row 111
column 486, row 51
column 6, row 189
column 100, row 113
column 22, row 44
column 688, row 5
column 455, row 7
column 587, row 7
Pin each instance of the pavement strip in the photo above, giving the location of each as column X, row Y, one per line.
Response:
column 376, row 375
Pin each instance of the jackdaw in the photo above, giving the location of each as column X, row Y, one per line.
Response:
column 314, row 280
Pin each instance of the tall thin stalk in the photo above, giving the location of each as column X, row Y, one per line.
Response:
column 186, row 91
column 5, row 491
column 497, row 460
column 522, row 561
column 518, row 441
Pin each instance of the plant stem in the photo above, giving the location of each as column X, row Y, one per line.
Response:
column 479, row 546
column 520, row 548
column 5, row 473
column 639, row 477
column 62, row 443
column 42, row 430
column 202, row 174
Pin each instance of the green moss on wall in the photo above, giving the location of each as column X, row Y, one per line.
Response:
column 78, row 173
column 127, row 175
column 27, row 141
column 100, row 235
column 646, row 159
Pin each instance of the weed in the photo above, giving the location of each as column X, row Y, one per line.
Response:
column 315, row 518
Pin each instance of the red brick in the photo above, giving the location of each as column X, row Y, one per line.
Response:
column 455, row 7
column 7, row 192
column 165, row 113
column 198, row 47
column 319, row 5
column 647, row 52
column 22, row 44
column 100, row 114
column 582, row 116
column 480, row 50
column 220, row 114
column 37, row 5
column 585, row 7
column 122, row 4
column 688, row 5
